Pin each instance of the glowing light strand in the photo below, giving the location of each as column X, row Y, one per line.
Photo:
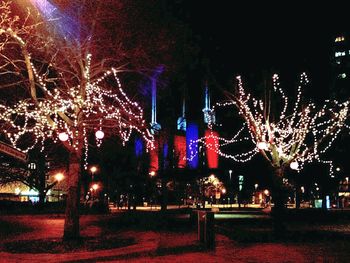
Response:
column 286, row 140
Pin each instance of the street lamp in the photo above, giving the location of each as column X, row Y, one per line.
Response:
column 59, row 177
column 94, row 188
column 93, row 169
column 230, row 172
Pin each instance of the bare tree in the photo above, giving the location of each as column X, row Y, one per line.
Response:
column 58, row 90
column 286, row 136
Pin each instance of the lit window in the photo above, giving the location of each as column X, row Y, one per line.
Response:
column 339, row 54
column 339, row 39
column 342, row 76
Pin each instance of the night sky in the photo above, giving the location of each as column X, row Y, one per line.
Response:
column 250, row 38
column 256, row 40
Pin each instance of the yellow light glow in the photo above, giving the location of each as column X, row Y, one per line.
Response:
column 59, row 177
column 93, row 169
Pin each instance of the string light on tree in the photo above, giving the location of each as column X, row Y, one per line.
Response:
column 286, row 139
column 287, row 136
column 69, row 112
column 59, row 93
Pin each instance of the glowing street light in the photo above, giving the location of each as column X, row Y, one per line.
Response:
column 152, row 173
column 93, row 190
column 337, row 169
column 93, row 169
column 230, row 172
column 59, row 177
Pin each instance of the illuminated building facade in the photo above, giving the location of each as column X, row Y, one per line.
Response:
column 340, row 60
column 186, row 152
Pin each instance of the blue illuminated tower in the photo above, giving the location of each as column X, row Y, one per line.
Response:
column 209, row 114
column 155, row 127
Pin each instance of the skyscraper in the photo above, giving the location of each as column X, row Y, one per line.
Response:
column 340, row 85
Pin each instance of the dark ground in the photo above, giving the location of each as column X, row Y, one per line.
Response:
column 152, row 237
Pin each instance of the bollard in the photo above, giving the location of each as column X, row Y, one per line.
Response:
column 206, row 233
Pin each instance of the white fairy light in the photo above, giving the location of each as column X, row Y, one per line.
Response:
column 293, row 139
column 70, row 114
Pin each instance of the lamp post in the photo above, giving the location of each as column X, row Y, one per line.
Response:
column 94, row 188
column 93, row 169
column 59, row 177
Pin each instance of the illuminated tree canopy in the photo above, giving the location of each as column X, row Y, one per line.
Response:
column 298, row 134
column 54, row 89
column 289, row 135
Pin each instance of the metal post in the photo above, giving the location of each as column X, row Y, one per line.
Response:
column 206, row 233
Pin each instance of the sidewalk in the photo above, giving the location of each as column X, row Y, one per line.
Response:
column 152, row 247
column 165, row 245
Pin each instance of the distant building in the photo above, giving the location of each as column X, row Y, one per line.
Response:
column 340, row 61
column 18, row 191
column 344, row 193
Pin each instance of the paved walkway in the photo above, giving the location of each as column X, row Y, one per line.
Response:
column 162, row 246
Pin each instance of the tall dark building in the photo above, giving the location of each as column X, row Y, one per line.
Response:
column 340, row 85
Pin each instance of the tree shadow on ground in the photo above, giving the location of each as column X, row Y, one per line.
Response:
column 146, row 254
column 12, row 228
column 149, row 221
column 56, row 246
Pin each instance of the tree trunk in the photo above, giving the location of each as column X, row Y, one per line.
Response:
column 164, row 191
column 42, row 196
column 297, row 197
column 41, row 173
column 279, row 198
column 71, row 224
column 324, row 201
